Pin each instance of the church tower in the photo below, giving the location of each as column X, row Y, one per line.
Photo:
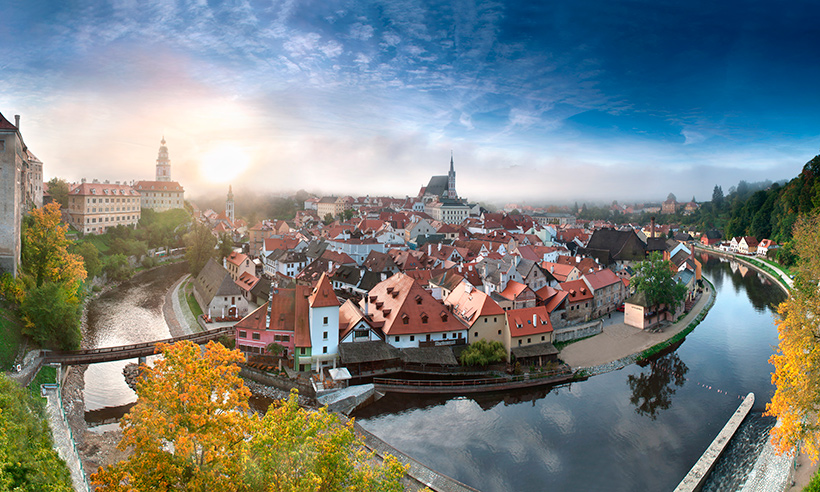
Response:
column 229, row 205
column 163, row 163
column 451, row 180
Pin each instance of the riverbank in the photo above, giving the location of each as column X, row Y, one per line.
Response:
column 620, row 345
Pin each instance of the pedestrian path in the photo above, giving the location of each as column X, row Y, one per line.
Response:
column 63, row 439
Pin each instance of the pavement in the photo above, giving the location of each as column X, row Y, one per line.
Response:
column 63, row 439
column 618, row 340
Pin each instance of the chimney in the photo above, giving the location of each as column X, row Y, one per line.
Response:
column 534, row 319
column 270, row 303
column 468, row 287
column 17, row 121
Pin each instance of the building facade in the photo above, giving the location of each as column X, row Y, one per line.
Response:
column 94, row 207
column 12, row 168
column 161, row 194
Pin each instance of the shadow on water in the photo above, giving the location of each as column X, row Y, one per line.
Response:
column 652, row 391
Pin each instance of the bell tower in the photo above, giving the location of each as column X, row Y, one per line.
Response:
column 229, row 205
column 163, row 163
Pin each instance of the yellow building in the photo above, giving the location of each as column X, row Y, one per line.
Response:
column 94, row 207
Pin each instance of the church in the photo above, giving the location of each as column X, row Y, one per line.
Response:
column 161, row 194
column 440, row 187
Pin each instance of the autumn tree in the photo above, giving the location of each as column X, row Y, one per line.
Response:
column 797, row 361
column 45, row 246
column 191, row 430
column 297, row 449
column 189, row 426
column 655, row 278
column 200, row 244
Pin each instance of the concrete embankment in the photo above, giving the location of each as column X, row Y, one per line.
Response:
column 693, row 481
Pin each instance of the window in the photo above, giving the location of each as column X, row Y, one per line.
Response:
column 428, row 337
column 475, row 334
column 443, row 336
column 519, row 342
column 255, row 336
column 529, row 340
column 454, row 335
column 485, row 320
column 243, row 334
column 324, row 350
column 499, row 332
column 324, row 321
column 412, row 338
column 302, row 352
column 398, row 338
column 301, row 368
column 542, row 338
column 324, row 335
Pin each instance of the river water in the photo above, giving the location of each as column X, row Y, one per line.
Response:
column 129, row 313
column 639, row 428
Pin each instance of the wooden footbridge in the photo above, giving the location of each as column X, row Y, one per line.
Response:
column 134, row 351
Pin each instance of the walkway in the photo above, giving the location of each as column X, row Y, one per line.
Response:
column 619, row 341
column 786, row 279
column 63, row 439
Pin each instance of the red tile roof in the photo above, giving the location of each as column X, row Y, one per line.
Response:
column 528, row 321
column 323, row 295
column 102, row 189
column 406, row 308
column 578, row 291
column 469, row 306
column 601, row 279
column 236, row 258
column 158, row 186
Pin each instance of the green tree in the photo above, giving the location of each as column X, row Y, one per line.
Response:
column 58, row 189
column 327, row 219
column 200, row 244
column 717, row 197
column 28, row 461
column 52, row 316
column 117, row 268
column 225, row 246
column 482, row 353
column 349, row 214
column 91, row 258
column 655, row 278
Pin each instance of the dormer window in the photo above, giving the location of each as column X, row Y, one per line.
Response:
column 389, row 290
column 418, row 299
column 423, row 318
column 379, row 305
column 386, row 312
column 443, row 316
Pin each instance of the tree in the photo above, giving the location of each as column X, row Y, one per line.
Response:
column 58, row 189
column 28, row 461
column 483, row 353
column 328, row 218
column 91, row 258
column 717, row 197
column 45, row 253
column 191, row 430
column 224, row 246
column 189, row 425
column 200, row 245
column 348, row 214
column 52, row 316
column 797, row 361
column 655, row 278
column 296, row 449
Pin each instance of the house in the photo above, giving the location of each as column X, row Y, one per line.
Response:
column 442, row 284
column 638, row 312
column 555, row 302
column 533, row 275
column 420, row 227
column 411, row 316
column 217, row 293
column 528, row 326
column 516, row 295
column 355, row 327
column 95, row 207
column 579, row 301
column 246, row 282
column 764, row 246
column 747, row 245
column 607, row 291
column 610, row 246
column 478, row 311
column 710, row 238
column 561, row 272
column 238, row 264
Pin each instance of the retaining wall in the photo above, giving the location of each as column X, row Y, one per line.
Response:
column 279, row 383
column 579, row 331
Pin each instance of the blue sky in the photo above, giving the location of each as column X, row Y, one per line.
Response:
column 540, row 102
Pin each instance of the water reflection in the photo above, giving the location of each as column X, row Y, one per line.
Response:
column 652, row 391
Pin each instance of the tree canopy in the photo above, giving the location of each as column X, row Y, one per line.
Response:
column 200, row 244
column 28, row 461
column 58, row 189
column 45, row 253
column 483, row 353
column 655, row 278
column 797, row 362
column 191, row 430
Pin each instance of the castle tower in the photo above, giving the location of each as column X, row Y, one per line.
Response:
column 229, row 205
column 163, row 163
column 451, row 180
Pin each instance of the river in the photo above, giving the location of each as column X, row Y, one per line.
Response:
column 640, row 428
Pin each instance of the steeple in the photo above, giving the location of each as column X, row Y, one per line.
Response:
column 229, row 205
column 451, row 180
column 163, row 162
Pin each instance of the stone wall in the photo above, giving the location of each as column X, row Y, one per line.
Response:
column 277, row 382
column 578, row 331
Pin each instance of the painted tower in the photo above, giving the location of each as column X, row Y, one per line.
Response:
column 451, row 180
column 229, row 205
column 163, row 163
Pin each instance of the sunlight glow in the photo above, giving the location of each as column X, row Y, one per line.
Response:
column 223, row 163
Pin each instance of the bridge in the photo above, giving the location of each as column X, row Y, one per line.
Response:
column 134, row 351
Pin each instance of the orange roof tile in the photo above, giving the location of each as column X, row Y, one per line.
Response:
column 323, row 295
column 528, row 321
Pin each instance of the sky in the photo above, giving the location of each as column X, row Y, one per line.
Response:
column 538, row 102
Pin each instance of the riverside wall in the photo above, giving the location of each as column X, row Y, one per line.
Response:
column 579, row 331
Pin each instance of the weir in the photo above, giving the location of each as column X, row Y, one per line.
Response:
column 693, row 481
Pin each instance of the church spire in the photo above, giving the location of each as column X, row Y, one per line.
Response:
column 451, row 180
column 229, row 205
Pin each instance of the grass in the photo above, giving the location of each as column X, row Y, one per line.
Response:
column 682, row 334
column 10, row 337
column 47, row 374
column 193, row 304
column 99, row 241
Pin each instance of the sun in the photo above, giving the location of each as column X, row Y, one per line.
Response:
column 223, row 163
